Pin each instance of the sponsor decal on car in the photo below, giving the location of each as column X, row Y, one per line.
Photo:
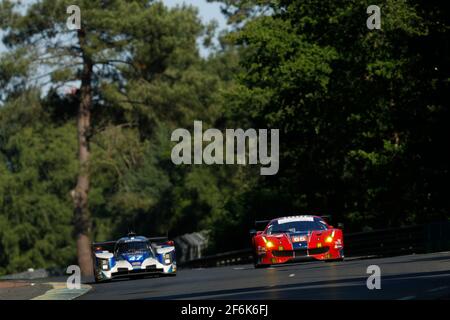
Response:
column 295, row 219
column 299, row 238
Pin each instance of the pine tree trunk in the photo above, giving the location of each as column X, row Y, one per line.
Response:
column 82, row 221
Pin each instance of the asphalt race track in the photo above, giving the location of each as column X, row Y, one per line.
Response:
column 424, row 276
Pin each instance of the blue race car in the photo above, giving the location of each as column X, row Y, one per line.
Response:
column 133, row 256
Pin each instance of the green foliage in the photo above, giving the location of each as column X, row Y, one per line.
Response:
column 354, row 108
column 37, row 170
column 149, row 79
column 362, row 116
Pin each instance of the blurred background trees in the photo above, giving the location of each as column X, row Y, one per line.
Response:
column 362, row 117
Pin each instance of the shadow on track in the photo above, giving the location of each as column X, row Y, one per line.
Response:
column 299, row 286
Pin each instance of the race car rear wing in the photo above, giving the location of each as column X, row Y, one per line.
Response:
column 261, row 223
column 103, row 246
column 328, row 220
column 109, row 245
column 151, row 239
column 158, row 239
column 161, row 241
column 259, row 226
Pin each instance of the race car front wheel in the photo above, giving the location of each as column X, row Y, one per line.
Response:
column 335, row 260
column 100, row 280
column 256, row 262
column 259, row 265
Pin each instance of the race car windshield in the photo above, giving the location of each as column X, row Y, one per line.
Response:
column 132, row 247
column 296, row 226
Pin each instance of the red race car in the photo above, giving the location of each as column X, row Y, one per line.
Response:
column 296, row 238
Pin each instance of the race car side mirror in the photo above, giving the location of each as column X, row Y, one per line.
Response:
column 340, row 225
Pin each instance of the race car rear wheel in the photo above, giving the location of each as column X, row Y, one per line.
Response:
column 258, row 265
column 98, row 280
column 261, row 266
column 335, row 260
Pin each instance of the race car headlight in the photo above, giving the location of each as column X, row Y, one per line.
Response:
column 104, row 264
column 269, row 244
column 167, row 258
column 329, row 239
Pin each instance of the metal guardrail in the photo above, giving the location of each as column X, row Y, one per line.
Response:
column 221, row 259
column 386, row 242
column 431, row 237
